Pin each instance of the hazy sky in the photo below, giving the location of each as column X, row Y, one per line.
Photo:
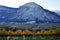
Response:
column 47, row 4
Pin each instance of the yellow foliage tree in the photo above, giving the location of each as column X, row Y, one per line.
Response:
column 18, row 32
column 42, row 31
column 10, row 32
column 4, row 32
column 57, row 30
column 38, row 33
column 28, row 32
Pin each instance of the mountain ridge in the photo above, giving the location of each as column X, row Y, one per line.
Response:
column 28, row 12
column 36, row 12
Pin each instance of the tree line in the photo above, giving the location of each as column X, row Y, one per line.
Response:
column 28, row 32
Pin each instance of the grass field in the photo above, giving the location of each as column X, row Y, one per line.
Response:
column 29, row 37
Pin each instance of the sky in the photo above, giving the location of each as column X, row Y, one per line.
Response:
column 46, row 4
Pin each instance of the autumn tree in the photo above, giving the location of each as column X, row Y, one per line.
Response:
column 3, row 32
column 18, row 32
column 28, row 32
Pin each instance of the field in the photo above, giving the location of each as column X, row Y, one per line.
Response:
column 29, row 37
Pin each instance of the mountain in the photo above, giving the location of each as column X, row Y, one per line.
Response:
column 28, row 13
column 7, row 13
column 34, row 12
column 57, row 11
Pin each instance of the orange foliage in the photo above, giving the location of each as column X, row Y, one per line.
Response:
column 28, row 32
